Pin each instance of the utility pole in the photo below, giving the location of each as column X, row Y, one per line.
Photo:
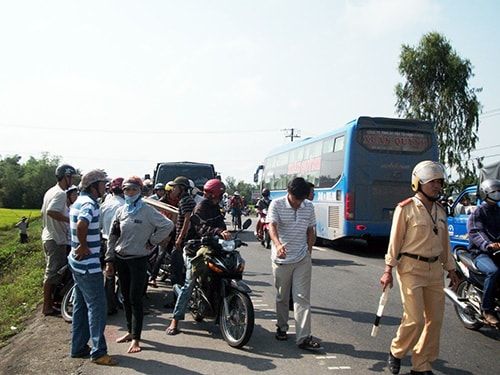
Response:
column 291, row 133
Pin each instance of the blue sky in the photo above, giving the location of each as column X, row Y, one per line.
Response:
column 122, row 85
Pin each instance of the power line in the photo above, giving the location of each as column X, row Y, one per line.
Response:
column 191, row 132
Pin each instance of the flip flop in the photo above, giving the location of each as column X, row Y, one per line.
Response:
column 281, row 335
column 310, row 344
column 172, row 331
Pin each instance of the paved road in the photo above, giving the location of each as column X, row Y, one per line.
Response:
column 345, row 297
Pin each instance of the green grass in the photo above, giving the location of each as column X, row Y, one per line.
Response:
column 9, row 217
column 21, row 272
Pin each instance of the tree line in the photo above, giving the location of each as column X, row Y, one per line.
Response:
column 23, row 185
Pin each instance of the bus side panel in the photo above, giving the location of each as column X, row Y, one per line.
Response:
column 329, row 220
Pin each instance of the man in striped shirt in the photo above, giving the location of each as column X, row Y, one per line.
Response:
column 89, row 305
column 292, row 231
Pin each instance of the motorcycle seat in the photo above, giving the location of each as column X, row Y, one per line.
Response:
column 465, row 257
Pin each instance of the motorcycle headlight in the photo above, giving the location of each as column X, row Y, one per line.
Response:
column 227, row 245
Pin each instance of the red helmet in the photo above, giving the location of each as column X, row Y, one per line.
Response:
column 116, row 185
column 214, row 188
column 133, row 181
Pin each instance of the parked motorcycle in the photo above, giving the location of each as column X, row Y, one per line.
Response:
column 468, row 297
column 62, row 288
column 220, row 293
column 263, row 235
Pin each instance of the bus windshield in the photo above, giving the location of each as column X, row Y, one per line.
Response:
column 360, row 172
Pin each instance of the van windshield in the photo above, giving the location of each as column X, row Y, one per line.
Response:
column 198, row 173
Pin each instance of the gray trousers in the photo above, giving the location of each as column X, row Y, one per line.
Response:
column 294, row 277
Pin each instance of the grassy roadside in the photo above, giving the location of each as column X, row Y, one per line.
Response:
column 21, row 273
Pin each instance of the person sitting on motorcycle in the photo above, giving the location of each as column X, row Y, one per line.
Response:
column 236, row 206
column 483, row 227
column 261, row 205
column 210, row 223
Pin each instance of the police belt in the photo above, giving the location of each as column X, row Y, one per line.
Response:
column 419, row 257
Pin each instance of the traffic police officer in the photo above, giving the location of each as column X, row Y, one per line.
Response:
column 419, row 247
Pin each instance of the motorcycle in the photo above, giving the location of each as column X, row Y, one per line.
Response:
column 263, row 235
column 62, row 288
column 220, row 293
column 467, row 299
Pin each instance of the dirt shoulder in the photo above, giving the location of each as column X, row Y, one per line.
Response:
column 41, row 348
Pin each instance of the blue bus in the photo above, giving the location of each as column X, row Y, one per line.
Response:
column 360, row 172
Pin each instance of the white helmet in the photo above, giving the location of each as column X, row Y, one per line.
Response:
column 426, row 171
column 488, row 188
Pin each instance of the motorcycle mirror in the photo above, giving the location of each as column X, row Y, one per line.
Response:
column 247, row 223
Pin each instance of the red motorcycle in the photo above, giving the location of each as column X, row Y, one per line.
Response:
column 263, row 232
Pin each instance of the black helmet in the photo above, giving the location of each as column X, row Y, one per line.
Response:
column 265, row 192
column 65, row 170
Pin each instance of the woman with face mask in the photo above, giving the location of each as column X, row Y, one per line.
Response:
column 136, row 229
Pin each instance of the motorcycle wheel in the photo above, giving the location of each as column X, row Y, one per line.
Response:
column 67, row 305
column 237, row 324
column 467, row 316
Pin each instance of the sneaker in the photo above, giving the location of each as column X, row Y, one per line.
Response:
column 105, row 360
column 490, row 318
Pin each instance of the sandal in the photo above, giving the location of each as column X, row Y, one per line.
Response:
column 105, row 360
column 172, row 331
column 281, row 335
column 309, row 343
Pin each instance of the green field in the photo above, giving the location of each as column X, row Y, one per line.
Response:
column 21, row 271
column 9, row 217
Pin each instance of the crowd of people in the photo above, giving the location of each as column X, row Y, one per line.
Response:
column 106, row 226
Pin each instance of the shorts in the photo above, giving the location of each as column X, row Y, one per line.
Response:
column 55, row 258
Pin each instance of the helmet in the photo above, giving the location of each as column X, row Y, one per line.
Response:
column 236, row 193
column 133, row 181
column 194, row 189
column 147, row 183
column 214, row 188
column 169, row 186
column 487, row 187
column 64, row 170
column 92, row 176
column 181, row 180
column 159, row 186
column 265, row 192
column 116, row 185
column 426, row 171
column 71, row 189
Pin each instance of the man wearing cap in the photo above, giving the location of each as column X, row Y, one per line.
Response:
column 89, row 304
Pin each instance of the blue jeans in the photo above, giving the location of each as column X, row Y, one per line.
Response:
column 487, row 266
column 185, row 293
column 89, row 315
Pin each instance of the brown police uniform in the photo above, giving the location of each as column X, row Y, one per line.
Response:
column 420, row 248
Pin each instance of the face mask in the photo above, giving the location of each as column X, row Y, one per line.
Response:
column 130, row 200
column 495, row 196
